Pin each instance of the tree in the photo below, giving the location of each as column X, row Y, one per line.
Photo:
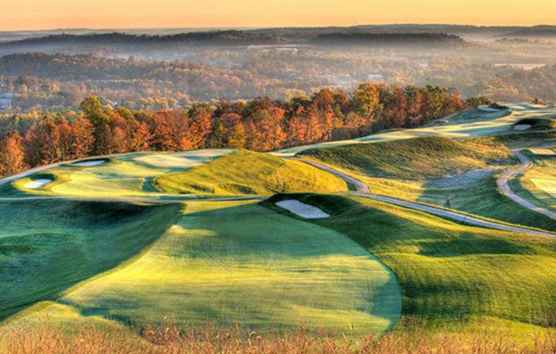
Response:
column 366, row 99
column 43, row 142
column 83, row 137
column 12, row 156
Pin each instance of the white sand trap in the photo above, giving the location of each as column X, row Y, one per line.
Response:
column 521, row 127
column 89, row 163
column 38, row 183
column 303, row 210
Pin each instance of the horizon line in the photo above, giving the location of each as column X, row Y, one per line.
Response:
column 59, row 29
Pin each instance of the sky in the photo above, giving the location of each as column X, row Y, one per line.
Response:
column 56, row 14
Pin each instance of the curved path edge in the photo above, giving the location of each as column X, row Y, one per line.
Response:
column 362, row 190
column 511, row 173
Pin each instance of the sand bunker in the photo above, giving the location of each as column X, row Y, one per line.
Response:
column 38, row 183
column 521, row 127
column 91, row 163
column 303, row 210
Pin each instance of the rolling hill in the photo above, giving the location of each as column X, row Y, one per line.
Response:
column 118, row 246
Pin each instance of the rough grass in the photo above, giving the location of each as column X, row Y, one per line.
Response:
column 415, row 159
column 209, row 340
column 451, row 274
column 246, row 172
column 232, row 263
column 48, row 246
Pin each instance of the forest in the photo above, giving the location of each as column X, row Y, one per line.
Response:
column 261, row 124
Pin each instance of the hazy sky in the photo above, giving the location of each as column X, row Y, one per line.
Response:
column 47, row 14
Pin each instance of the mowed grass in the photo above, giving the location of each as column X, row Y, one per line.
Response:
column 231, row 262
column 245, row 172
column 124, row 176
column 452, row 276
column 538, row 184
column 415, row 159
column 49, row 246
column 455, row 174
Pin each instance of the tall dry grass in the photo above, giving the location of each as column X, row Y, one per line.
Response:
column 209, row 340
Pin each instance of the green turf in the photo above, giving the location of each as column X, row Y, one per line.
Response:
column 412, row 169
column 451, row 274
column 538, row 184
column 416, row 158
column 241, row 263
column 246, row 172
column 48, row 246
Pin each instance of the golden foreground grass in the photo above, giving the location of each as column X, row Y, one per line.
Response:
column 209, row 339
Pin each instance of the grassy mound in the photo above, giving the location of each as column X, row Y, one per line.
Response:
column 231, row 262
column 416, row 158
column 451, row 275
column 48, row 246
column 246, row 172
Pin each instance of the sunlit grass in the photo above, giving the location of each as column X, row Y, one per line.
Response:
column 228, row 263
column 245, row 172
column 451, row 274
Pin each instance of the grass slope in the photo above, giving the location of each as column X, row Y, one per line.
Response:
column 245, row 172
column 48, row 246
column 413, row 170
column 451, row 275
column 538, row 184
column 232, row 263
column 123, row 176
column 416, row 158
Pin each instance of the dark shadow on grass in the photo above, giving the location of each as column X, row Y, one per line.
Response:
column 71, row 242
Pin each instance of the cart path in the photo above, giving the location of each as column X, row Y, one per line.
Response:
column 362, row 190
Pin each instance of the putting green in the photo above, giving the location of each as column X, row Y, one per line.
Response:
column 241, row 263
column 123, row 176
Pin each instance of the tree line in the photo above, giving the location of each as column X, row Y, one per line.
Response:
column 260, row 124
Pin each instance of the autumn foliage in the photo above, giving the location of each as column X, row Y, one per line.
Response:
column 261, row 124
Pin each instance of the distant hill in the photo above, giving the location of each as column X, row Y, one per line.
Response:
column 537, row 31
column 388, row 39
column 138, row 42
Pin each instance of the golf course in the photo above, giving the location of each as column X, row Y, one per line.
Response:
column 447, row 229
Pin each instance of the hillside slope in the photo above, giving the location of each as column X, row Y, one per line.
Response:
column 245, row 172
column 415, row 158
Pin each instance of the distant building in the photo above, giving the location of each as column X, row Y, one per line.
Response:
column 6, row 101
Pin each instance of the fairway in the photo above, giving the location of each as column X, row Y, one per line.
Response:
column 241, row 263
column 453, row 276
column 538, row 183
column 271, row 244
column 48, row 246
